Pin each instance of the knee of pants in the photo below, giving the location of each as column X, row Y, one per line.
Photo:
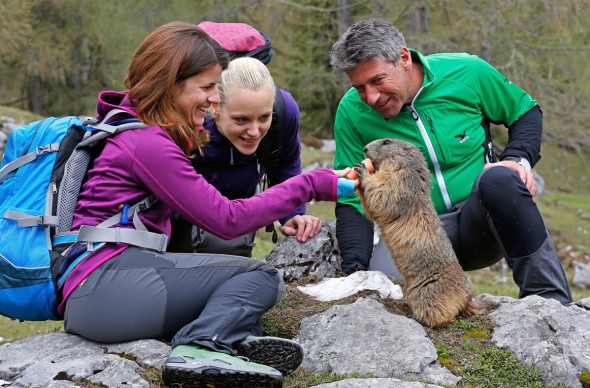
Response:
column 276, row 274
column 499, row 177
column 498, row 184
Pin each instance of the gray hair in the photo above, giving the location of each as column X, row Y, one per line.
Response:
column 365, row 41
column 244, row 73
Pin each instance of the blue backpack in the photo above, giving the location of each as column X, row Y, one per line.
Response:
column 42, row 171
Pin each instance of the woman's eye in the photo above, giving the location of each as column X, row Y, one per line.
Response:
column 265, row 118
column 241, row 120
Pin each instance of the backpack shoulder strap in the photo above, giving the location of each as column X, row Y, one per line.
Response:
column 270, row 148
column 104, row 232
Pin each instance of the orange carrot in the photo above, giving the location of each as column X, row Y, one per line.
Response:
column 368, row 163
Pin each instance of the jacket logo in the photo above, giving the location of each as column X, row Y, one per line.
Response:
column 463, row 137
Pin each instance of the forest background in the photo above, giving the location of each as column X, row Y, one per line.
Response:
column 56, row 55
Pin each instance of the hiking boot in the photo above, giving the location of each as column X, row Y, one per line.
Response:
column 194, row 366
column 280, row 353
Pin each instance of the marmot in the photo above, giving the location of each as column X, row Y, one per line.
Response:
column 397, row 198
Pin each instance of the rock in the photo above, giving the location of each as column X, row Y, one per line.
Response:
column 376, row 383
column 543, row 333
column 581, row 276
column 365, row 338
column 583, row 303
column 319, row 256
column 7, row 124
column 64, row 360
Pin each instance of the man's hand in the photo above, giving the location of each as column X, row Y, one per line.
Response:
column 303, row 226
column 526, row 176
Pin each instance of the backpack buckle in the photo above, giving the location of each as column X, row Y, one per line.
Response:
column 44, row 149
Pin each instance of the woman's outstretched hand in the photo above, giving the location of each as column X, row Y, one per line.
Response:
column 303, row 226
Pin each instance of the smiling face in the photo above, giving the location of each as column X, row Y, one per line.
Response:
column 384, row 86
column 194, row 95
column 245, row 117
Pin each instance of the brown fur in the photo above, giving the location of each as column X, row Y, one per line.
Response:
column 397, row 198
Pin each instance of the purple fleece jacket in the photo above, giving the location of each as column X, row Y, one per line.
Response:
column 138, row 162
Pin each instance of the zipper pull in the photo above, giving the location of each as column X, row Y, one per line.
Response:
column 414, row 114
column 429, row 122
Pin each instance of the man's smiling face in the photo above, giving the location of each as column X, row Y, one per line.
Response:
column 384, row 86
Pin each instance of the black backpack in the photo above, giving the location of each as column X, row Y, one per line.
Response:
column 270, row 148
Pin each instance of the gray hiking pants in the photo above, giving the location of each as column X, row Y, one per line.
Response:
column 205, row 299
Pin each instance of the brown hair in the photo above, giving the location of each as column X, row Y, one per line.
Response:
column 168, row 56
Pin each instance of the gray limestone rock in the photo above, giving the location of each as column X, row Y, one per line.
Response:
column 544, row 333
column 365, row 338
column 319, row 256
column 376, row 383
column 64, row 360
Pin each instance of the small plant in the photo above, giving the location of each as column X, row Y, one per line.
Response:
column 584, row 378
column 476, row 333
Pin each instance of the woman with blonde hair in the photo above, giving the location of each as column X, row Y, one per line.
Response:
column 272, row 155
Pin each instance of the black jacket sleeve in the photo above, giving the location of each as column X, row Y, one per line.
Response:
column 355, row 238
column 524, row 137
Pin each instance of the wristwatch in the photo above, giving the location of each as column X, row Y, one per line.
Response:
column 522, row 161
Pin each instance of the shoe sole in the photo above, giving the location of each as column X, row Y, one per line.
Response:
column 216, row 378
column 283, row 355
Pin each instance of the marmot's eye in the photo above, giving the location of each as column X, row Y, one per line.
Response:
column 386, row 142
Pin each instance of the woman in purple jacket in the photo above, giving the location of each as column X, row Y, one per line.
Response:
column 205, row 304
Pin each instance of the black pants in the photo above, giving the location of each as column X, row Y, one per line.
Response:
column 498, row 220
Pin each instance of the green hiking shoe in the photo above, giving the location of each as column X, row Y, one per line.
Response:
column 194, row 366
column 280, row 353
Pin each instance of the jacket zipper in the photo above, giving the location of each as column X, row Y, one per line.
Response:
column 437, row 170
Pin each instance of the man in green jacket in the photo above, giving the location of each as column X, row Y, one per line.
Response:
column 444, row 104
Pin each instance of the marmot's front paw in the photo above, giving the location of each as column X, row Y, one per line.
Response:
column 361, row 170
column 364, row 168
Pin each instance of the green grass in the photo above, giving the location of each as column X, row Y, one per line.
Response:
column 12, row 330
column 567, row 216
column 565, row 170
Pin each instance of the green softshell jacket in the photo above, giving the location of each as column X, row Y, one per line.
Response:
column 448, row 120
